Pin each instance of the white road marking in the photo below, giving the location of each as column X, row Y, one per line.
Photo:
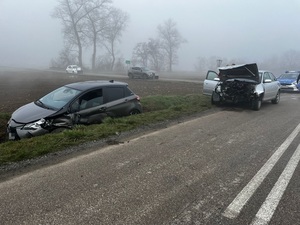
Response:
column 268, row 208
column 234, row 209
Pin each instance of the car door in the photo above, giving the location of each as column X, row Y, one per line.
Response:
column 135, row 71
column 210, row 82
column 88, row 108
column 117, row 103
column 270, row 86
column 139, row 72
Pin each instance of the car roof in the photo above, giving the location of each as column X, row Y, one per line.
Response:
column 292, row 71
column 86, row 85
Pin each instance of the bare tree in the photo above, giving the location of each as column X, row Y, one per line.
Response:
column 141, row 53
column 156, row 57
column 96, row 24
column 66, row 57
column 290, row 60
column 116, row 24
column 171, row 40
column 149, row 54
column 72, row 14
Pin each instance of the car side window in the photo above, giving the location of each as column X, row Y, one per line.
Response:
column 272, row 77
column 113, row 93
column 266, row 76
column 211, row 75
column 88, row 100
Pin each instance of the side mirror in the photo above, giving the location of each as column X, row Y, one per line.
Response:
column 267, row 81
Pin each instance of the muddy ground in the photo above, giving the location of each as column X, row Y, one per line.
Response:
column 18, row 87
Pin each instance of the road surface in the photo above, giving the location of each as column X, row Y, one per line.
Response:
column 233, row 166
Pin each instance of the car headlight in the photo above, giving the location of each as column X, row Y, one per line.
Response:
column 294, row 83
column 34, row 126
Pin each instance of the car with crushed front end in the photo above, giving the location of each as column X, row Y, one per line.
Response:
column 290, row 81
column 87, row 102
column 242, row 83
column 142, row 72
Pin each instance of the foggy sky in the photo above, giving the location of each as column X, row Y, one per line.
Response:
column 232, row 29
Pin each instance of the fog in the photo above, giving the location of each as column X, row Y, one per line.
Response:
column 233, row 29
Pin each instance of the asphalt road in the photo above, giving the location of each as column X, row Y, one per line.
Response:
column 233, row 166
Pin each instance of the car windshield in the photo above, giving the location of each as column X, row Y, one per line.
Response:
column 289, row 76
column 145, row 68
column 58, row 98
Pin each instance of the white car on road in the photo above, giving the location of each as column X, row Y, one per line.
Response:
column 74, row 69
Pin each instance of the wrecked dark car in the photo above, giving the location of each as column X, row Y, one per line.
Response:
column 86, row 103
column 242, row 83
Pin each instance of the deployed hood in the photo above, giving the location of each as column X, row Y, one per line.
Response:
column 30, row 113
column 244, row 71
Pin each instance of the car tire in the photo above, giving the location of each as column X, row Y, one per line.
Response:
column 145, row 76
column 134, row 112
column 59, row 130
column 276, row 99
column 215, row 96
column 256, row 104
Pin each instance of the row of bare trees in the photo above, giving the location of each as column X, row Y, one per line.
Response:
column 160, row 53
column 89, row 24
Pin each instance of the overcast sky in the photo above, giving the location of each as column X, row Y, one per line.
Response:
column 232, row 29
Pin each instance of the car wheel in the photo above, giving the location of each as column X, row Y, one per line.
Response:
column 59, row 130
column 134, row 112
column 276, row 99
column 215, row 99
column 256, row 104
column 145, row 76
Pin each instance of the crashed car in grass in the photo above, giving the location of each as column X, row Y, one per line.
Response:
column 242, row 83
column 87, row 102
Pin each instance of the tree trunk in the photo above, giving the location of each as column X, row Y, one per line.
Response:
column 94, row 55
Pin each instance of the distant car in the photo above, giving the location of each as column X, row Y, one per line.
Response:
column 290, row 81
column 142, row 72
column 242, row 83
column 86, row 102
column 74, row 69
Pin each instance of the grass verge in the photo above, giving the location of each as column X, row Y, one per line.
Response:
column 156, row 109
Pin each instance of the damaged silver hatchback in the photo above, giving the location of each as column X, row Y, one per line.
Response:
column 242, row 83
column 86, row 102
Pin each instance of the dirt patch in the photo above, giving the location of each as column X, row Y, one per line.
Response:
column 20, row 87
